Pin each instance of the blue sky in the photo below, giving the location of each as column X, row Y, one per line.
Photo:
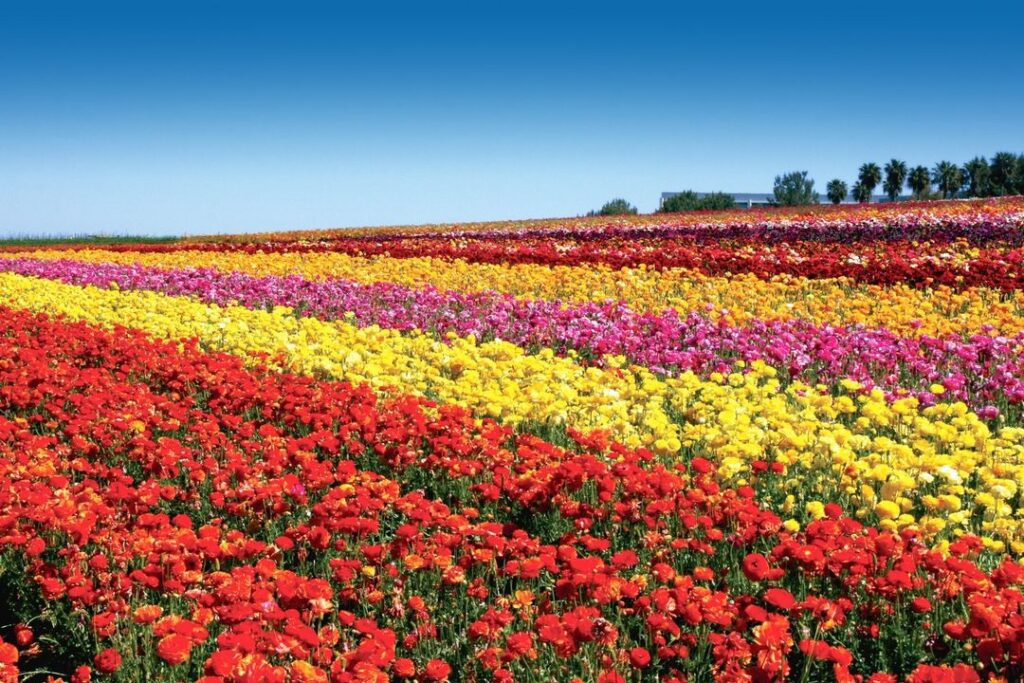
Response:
column 217, row 116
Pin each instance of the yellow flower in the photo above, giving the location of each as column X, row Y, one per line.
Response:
column 815, row 509
column 887, row 510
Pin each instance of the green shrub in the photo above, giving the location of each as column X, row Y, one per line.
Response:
column 691, row 201
column 794, row 189
column 616, row 207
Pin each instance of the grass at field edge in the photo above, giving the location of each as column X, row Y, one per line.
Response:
column 84, row 239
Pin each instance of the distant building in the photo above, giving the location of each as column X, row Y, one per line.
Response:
column 750, row 200
column 744, row 200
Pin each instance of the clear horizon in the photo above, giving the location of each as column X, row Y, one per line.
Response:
column 192, row 118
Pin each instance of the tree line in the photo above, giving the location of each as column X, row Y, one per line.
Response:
column 687, row 200
column 980, row 177
column 999, row 176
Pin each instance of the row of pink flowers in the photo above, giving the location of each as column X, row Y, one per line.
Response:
column 985, row 371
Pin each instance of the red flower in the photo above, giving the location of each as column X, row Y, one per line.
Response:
column 107, row 661
column 436, row 670
column 702, row 465
column 983, row 620
column 779, row 598
column 921, row 605
column 519, row 643
column 815, row 649
column 960, row 673
column 404, row 668
column 755, row 567
column 35, row 547
column 23, row 635
column 624, row 559
column 639, row 657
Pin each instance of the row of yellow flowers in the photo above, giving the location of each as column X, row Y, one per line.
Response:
column 939, row 469
column 736, row 298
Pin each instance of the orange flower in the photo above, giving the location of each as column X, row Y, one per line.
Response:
column 8, row 653
column 703, row 573
column 413, row 562
column 304, row 672
column 522, row 598
column 147, row 614
column 174, row 649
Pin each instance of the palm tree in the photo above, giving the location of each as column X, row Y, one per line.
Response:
column 870, row 175
column 1002, row 171
column 836, row 190
column 895, row 176
column 947, row 176
column 860, row 192
column 920, row 181
column 976, row 177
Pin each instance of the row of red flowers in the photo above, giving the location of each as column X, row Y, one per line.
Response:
column 919, row 264
column 166, row 513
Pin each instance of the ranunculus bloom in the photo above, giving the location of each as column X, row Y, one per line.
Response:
column 921, row 605
column 780, row 598
column 23, row 635
column 108, row 661
column 8, row 653
column 436, row 670
column 639, row 657
column 174, row 649
column 959, row 673
column 304, row 672
column 755, row 567
column 404, row 668
column 147, row 614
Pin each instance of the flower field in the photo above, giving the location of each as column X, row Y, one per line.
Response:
column 743, row 446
